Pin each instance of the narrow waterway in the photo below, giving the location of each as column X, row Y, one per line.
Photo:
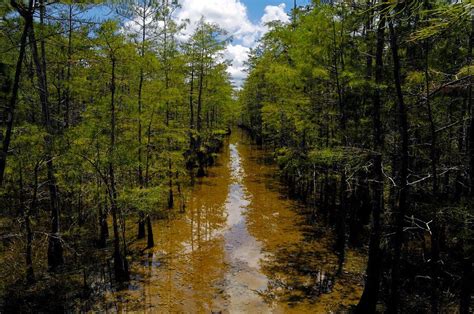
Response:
column 241, row 247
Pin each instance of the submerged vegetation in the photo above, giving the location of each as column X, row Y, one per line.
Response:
column 110, row 129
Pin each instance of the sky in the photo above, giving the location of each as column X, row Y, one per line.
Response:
column 256, row 7
column 244, row 20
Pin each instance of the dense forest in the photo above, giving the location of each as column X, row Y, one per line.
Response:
column 100, row 123
column 368, row 109
column 365, row 108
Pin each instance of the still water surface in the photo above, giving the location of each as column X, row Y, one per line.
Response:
column 241, row 247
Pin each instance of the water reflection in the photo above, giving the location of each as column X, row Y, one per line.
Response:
column 241, row 247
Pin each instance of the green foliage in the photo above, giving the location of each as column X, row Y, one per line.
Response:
column 313, row 92
column 466, row 71
column 326, row 156
column 147, row 200
column 88, row 63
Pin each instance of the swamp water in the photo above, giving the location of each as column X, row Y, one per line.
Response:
column 241, row 247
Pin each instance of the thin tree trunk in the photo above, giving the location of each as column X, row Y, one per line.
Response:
column 141, row 225
column 368, row 301
column 434, row 174
column 103, row 228
column 342, row 210
column 467, row 278
column 28, row 19
column 148, row 151
column 341, row 224
column 199, row 104
column 55, row 250
column 170, row 162
column 30, row 275
column 191, row 110
column 120, row 262
column 67, row 102
column 103, row 213
column 141, row 218
column 201, row 171
column 403, row 192
column 433, row 135
column 466, row 286
column 149, row 225
column 170, row 185
column 150, row 240
column 471, row 108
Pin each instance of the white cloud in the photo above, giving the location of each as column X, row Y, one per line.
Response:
column 275, row 13
column 238, row 54
column 231, row 15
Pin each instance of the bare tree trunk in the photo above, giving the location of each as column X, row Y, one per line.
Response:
column 167, row 86
column 68, row 71
column 368, row 301
column 201, row 171
column 141, row 225
column 467, row 277
column 30, row 275
column 148, row 150
column 341, row 224
column 103, row 228
column 149, row 225
column 55, row 250
column 403, row 192
column 466, row 286
column 150, row 240
column 141, row 219
column 170, row 185
column 342, row 210
column 191, row 109
column 103, row 212
column 199, row 104
column 471, row 108
column 434, row 174
column 120, row 261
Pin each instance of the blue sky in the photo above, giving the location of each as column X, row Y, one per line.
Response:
column 256, row 7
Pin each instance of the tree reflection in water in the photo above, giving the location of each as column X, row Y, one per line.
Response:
column 242, row 246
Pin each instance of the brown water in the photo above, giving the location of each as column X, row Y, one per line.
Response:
column 241, row 247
